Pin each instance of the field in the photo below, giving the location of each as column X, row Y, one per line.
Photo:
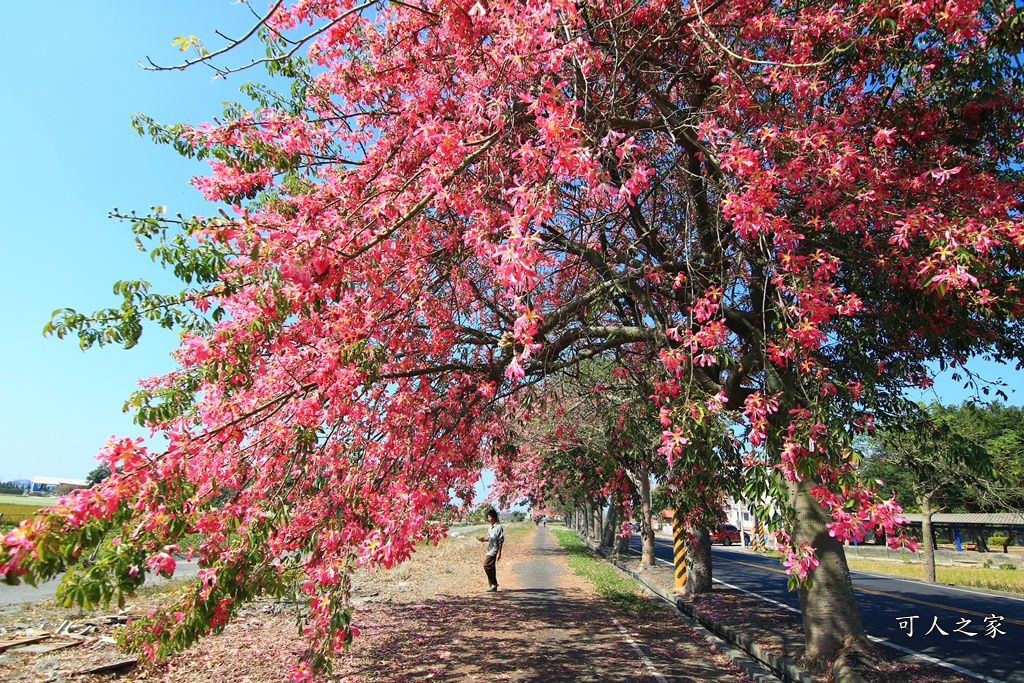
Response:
column 16, row 508
column 27, row 501
column 994, row 578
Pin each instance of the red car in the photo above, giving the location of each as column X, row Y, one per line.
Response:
column 727, row 534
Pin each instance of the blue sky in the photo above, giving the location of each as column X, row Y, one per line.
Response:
column 70, row 156
column 71, row 83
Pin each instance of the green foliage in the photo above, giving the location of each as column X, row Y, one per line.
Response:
column 618, row 590
column 662, row 499
column 969, row 457
column 97, row 475
column 199, row 264
column 183, row 43
column 977, row 577
column 478, row 515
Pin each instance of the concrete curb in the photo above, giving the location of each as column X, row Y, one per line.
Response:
column 782, row 668
column 754, row 669
column 750, row 657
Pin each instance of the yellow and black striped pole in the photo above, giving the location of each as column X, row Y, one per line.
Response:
column 679, row 547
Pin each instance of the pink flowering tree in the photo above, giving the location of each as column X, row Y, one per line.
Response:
column 598, row 436
column 794, row 206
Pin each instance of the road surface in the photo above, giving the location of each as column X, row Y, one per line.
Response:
column 903, row 612
column 24, row 593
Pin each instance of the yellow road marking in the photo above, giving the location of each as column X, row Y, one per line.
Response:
column 767, row 569
column 894, row 596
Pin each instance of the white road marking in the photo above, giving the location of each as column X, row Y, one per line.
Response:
column 640, row 653
column 757, row 595
column 933, row 660
column 927, row 658
column 657, row 559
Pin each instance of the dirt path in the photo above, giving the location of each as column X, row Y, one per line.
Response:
column 544, row 624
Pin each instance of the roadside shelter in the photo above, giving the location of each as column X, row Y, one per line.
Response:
column 963, row 528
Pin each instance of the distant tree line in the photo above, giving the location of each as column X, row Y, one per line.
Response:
column 962, row 458
column 966, row 458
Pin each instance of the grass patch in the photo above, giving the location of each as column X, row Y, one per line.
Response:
column 31, row 502
column 991, row 579
column 617, row 589
column 516, row 529
column 15, row 509
column 13, row 515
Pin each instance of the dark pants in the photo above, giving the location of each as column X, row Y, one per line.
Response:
column 491, row 568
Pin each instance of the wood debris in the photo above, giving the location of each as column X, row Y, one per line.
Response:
column 115, row 619
column 29, row 640
column 26, row 636
column 109, row 667
column 49, row 647
column 17, row 642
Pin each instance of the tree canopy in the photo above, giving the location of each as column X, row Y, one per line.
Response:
column 966, row 458
column 789, row 207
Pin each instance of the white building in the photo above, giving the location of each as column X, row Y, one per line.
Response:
column 47, row 484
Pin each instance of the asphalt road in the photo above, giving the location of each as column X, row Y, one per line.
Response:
column 24, row 593
column 889, row 606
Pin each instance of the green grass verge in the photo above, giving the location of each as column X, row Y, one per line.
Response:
column 614, row 587
column 992, row 579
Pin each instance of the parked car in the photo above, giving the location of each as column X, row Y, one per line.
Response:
column 727, row 534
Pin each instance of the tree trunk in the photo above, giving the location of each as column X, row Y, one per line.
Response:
column 698, row 561
column 621, row 543
column 927, row 537
column 597, row 523
column 611, row 523
column 829, row 609
column 980, row 541
column 642, row 480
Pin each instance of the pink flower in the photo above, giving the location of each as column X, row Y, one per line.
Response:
column 883, row 138
column 162, row 564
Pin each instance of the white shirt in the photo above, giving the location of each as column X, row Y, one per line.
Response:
column 495, row 537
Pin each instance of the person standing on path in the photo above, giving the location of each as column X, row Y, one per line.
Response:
column 495, row 539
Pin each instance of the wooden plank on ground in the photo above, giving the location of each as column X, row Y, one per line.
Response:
column 109, row 667
column 18, row 642
column 47, row 647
